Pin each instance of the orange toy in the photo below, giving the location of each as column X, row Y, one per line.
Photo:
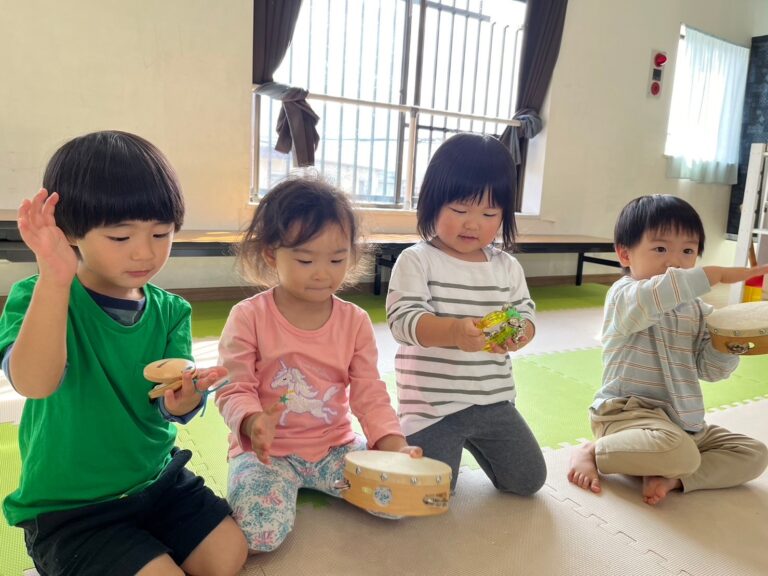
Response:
column 753, row 287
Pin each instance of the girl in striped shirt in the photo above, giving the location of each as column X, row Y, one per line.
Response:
column 451, row 393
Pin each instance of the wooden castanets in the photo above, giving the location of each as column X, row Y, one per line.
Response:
column 167, row 374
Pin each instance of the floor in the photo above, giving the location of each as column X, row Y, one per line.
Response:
column 560, row 531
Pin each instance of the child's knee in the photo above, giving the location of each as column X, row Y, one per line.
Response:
column 679, row 455
column 760, row 457
column 265, row 541
column 527, row 484
column 230, row 564
column 235, row 559
column 661, row 452
column 684, row 463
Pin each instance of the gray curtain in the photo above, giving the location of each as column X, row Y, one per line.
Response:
column 273, row 25
column 544, row 21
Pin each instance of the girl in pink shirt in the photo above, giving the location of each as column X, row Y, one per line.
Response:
column 300, row 360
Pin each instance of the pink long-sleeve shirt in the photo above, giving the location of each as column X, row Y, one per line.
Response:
column 320, row 375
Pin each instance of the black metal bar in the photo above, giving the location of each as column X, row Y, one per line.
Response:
column 580, row 269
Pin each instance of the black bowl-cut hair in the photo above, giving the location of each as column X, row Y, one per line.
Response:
column 104, row 178
column 462, row 169
column 657, row 212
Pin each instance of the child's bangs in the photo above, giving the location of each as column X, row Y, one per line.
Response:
column 677, row 227
column 676, row 220
column 133, row 192
column 474, row 183
column 303, row 229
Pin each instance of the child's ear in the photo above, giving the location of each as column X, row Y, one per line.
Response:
column 269, row 257
column 623, row 253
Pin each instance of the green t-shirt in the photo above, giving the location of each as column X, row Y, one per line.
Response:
column 97, row 437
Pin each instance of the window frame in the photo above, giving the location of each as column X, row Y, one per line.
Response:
column 408, row 114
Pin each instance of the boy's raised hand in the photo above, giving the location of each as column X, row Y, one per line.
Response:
column 260, row 428
column 193, row 384
column 731, row 275
column 56, row 258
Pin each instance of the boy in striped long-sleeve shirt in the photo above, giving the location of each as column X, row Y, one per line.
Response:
column 648, row 417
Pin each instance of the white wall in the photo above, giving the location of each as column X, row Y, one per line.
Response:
column 605, row 136
column 178, row 72
column 760, row 27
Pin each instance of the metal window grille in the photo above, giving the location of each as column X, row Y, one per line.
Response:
column 391, row 80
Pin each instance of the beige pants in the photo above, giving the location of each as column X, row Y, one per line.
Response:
column 638, row 439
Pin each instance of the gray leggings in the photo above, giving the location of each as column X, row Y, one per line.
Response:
column 499, row 439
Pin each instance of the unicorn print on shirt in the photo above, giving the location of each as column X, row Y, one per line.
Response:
column 300, row 397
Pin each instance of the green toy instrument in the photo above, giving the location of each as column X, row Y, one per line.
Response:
column 502, row 325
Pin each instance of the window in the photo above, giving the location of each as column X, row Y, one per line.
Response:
column 705, row 114
column 462, row 62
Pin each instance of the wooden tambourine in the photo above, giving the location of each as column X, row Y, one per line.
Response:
column 394, row 484
column 167, row 373
column 740, row 328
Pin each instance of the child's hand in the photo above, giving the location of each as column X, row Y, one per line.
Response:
column 467, row 336
column 56, row 258
column 260, row 428
column 193, row 384
column 412, row 451
column 727, row 275
column 512, row 345
column 509, row 346
column 397, row 443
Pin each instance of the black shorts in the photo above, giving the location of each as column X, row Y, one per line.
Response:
column 172, row 516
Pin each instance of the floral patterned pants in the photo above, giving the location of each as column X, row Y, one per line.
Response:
column 263, row 497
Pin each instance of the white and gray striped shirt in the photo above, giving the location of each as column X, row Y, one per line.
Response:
column 656, row 345
column 435, row 382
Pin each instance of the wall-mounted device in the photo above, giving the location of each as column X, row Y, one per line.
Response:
column 658, row 60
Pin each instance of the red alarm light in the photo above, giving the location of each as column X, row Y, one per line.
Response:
column 658, row 59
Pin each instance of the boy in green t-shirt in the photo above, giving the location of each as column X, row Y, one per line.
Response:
column 102, row 488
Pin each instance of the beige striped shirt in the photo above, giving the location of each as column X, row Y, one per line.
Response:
column 656, row 345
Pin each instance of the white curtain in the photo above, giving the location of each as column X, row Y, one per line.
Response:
column 705, row 116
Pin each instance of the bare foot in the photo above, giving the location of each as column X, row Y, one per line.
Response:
column 656, row 488
column 583, row 471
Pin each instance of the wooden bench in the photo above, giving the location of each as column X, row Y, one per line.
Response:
column 388, row 246
column 185, row 242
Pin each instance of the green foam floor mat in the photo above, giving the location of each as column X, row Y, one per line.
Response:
column 554, row 393
column 555, row 390
column 13, row 553
column 208, row 318
column 567, row 297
